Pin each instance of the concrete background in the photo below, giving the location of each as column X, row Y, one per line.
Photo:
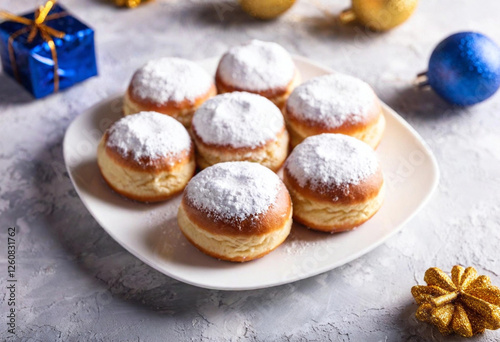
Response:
column 76, row 284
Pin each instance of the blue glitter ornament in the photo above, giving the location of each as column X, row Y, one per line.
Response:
column 464, row 69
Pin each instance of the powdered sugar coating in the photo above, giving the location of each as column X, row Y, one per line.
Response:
column 332, row 100
column 257, row 66
column 234, row 190
column 170, row 79
column 329, row 161
column 238, row 119
column 147, row 136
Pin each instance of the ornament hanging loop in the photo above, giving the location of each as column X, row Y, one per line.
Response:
column 378, row 15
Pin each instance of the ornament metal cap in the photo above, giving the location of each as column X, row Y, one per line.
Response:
column 347, row 16
column 422, row 81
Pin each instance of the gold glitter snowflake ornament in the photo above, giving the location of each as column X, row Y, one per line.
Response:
column 467, row 304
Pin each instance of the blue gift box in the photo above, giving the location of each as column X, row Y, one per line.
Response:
column 34, row 60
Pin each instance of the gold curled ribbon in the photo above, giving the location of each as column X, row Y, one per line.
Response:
column 34, row 27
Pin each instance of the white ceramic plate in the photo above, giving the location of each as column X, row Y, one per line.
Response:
column 150, row 231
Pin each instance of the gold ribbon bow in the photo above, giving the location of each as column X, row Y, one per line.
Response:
column 34, row 27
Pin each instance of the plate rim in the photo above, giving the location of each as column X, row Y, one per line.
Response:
column 433, row 186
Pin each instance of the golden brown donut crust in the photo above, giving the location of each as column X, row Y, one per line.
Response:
column 227, row 147
column 347, row 128
column 171, row 108
column 135, row 197
column 156, row 165
column 225, row 257
column 277, row 95
column 272, row 154
column 328, row 229
column 272, row 220
column 349, row 194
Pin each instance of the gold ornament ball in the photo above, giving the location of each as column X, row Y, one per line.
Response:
column 266, row 9
column 379, row 15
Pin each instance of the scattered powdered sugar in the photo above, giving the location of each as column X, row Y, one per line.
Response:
column 148, row 134
column 171, row 79
column 331, row 160
column 160, row 222
column 234, row 190
column 332, row 100
column 295, row 246
column 238, row 119
column 257, row 66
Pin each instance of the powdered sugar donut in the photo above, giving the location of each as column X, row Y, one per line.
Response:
column 259, row 67
column 240, row 126
column 335, row 103
column 236, row 211
column 171, row 86
column 146, row 157
column 335, row 182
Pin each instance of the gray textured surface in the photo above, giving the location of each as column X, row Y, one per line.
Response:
column 77, row 284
